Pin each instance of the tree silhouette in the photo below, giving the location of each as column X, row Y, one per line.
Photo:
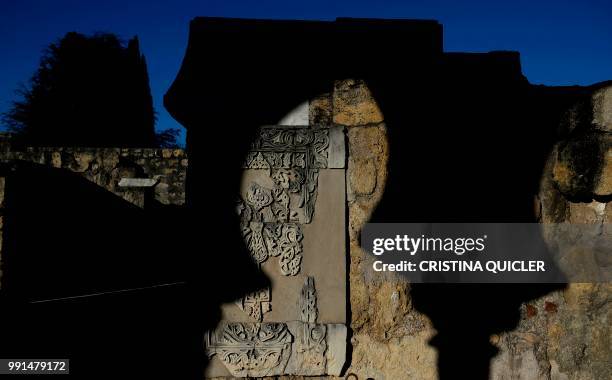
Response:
column 87, row 91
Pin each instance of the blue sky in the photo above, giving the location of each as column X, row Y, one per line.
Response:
column 560, row 42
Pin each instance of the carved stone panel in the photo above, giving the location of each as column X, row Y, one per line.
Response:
column 292, row 216
column 251, row 349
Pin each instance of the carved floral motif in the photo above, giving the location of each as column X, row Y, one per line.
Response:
column 270, row 217
column 304, row 150
column 251, row 349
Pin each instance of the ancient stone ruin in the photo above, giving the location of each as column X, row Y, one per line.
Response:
column 293, row 220
column 304, row 148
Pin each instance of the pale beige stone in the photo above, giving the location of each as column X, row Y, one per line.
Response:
column 403, row 357
column 362, row 176
column 519, row 365
column 589, row 213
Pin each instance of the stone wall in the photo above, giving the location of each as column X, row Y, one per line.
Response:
column 564, row 335
column 106, row 166
column 389, row 338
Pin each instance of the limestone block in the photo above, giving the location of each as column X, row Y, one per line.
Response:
column 337, row 153
column 603, row 186
column 602, row 109
column 405, row 357
column 362, row 176
column 138, row 182
column 578, row 335
column 291, row 205
column 589, row 213
column 354, row 105
column 554, row 207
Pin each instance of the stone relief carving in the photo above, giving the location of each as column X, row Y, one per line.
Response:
column 269, row 218
column 308, row 301
column 256, row 304
column 311, row 344
column 255, row 349
column 265, row 239
column 293, row 157
column 274, row 205
column 251, row 349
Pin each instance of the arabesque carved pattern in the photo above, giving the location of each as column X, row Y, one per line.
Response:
column 311, row 344
column 271, row 217
column 265, row 239
column 251, row 349
column 300, row 152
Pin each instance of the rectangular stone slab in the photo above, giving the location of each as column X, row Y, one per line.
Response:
column 303, row 253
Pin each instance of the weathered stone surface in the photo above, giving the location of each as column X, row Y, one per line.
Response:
column 137, row 182
column 535, row 349
column 602, row 109
column 362, row 177
column 337, row 148
column 578, row 334
column 367, row 168
column 107, row 166
column 82, row 160
column 589, row 213
column 603, row 185
column 554, row 208
column 390, row 338
column 353, row 104
column 292, row 212
column 520, row 363
column 336, row 348
column 563, row 335
column 577, row 166
column 572, row 326
column 403, row 357
column 320, row 113
column 251, row 349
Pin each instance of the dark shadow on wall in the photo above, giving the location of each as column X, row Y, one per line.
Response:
column 97, row 262
column 467, row 144
column 468, row 139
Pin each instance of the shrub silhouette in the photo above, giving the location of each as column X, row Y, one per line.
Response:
column 87, row 91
